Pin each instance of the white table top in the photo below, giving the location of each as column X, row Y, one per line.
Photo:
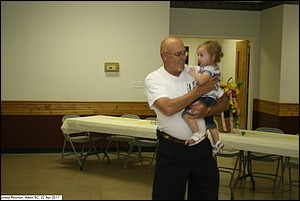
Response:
column 111, row 125
column 265, row 142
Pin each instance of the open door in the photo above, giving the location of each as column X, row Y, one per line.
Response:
column 242, row 75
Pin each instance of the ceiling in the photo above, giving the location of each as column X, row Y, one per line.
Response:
column 230, row 5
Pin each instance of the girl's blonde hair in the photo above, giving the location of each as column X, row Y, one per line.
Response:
column 214, row 49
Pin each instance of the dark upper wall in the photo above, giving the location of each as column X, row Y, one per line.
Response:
column 230, row 5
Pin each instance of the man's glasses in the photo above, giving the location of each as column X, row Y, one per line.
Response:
column 179, row 54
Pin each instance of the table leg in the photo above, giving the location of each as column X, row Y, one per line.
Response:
column 243, row 163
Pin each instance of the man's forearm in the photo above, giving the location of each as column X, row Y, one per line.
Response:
column 172, row 106
column 199, row 110
column 221, row 105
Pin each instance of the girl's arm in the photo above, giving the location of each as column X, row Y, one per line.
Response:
column 201, row 78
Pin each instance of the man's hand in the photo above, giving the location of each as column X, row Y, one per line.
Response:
column 197, row 110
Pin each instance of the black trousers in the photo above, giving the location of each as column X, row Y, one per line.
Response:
column 180, row 167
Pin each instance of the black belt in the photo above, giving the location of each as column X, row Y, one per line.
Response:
column 161, row 134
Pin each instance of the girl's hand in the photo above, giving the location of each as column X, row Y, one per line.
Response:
column 192, row 71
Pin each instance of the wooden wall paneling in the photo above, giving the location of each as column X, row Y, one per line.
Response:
column 277, row 109
column 77, row 107
column 282, row 115
column 27, row 126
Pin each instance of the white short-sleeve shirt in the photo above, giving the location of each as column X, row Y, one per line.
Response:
column 159, row 84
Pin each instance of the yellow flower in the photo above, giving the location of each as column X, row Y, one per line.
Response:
column 231, row 89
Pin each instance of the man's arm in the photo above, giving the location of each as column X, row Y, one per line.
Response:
column 199, row 110
column 171, row 106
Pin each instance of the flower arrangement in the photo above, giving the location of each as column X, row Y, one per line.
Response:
column 231, row 89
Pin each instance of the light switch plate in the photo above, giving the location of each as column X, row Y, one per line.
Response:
column 111, row 67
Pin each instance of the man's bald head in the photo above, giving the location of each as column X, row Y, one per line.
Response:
column 169, row 43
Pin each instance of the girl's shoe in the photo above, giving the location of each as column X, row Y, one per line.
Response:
column 217, row 147
column 195, row 139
